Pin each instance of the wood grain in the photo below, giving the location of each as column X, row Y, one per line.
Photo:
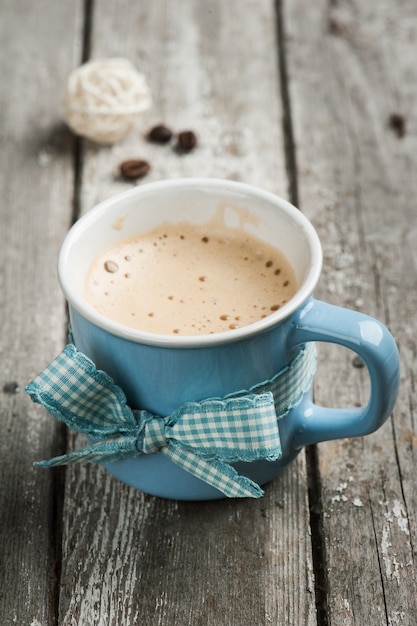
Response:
column 349, row 65
column 316, row 102
column 165, row 562
column 35, row 211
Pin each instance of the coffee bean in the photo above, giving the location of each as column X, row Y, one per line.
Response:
column 397, row 123
column 134, row 168
column 187, row 141
column 160, row 134
column 11, row 388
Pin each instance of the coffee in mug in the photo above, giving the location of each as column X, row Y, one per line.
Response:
column 190, row 279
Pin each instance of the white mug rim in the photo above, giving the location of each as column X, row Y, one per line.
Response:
column 87, row 311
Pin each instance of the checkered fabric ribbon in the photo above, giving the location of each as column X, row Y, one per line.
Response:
column 203, row 438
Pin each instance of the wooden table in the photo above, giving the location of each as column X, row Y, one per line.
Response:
column 316, row 101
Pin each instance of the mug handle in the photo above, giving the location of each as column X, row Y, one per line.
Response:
column 319, row 321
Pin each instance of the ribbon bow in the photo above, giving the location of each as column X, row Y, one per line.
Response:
column 201, row 437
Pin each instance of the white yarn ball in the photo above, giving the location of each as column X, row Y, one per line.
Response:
column 103, row 99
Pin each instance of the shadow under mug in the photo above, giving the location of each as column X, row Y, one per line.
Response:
column 160, row 372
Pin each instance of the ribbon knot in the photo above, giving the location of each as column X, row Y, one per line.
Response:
column 204, row 438
column 152, row 437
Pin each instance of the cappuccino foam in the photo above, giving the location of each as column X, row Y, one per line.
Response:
column 183, row 279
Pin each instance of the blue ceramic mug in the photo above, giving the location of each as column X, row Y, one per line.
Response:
column 160, row 373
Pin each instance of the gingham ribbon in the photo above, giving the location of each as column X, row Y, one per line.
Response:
column 201, row 437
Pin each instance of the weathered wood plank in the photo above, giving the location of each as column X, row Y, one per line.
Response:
column 351, row 66
column 132, row 558
column 180, row 563
column 35, row 210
